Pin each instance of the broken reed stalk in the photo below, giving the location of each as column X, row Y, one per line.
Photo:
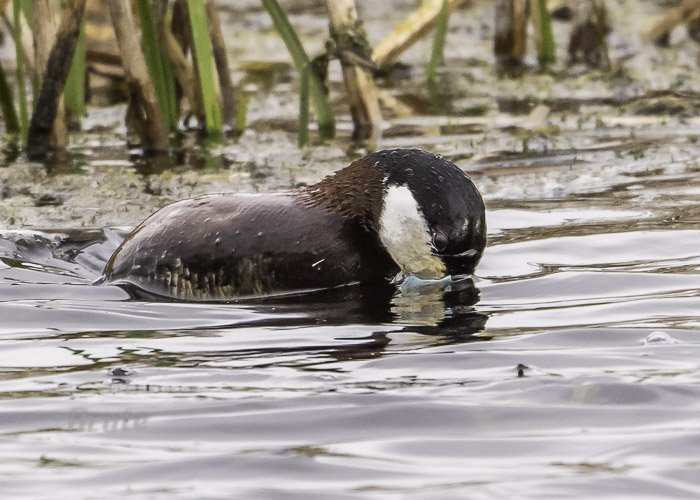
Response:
column 203, row 56
column 45, row 21
column 183, row 69
column 348, row 33
column 19, row 58
column 510, row 40
column 410, row 30
column 319, row 99
column 228, row 102
column 686, row 11
column 437, row 55
column 54, row 79
column 544, row 37
column 158, row 65
column 7, row 104
column 148, row 119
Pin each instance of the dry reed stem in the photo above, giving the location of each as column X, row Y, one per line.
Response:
column 359, row 84
column 182, row 33
column 148, row 119
column 409, row 31
column 686, row 11
column 184, row 72
column 54, row 79
column 587, row 41
column 510, row 40
column 45, row 27
column 27, row 37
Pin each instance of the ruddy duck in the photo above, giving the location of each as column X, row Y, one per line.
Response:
column 396, row 211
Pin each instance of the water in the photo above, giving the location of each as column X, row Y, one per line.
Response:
column 575, row 372
column 569, row 368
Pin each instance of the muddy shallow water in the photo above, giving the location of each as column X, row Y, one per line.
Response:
column 569, row 368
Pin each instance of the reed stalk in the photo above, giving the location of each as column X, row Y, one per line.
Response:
column 410, row 30
column 542, row 20
column 204, row 58
column 143, row 103
column 685, row 11
column 223, row 70
column 437, row 56
column 19, row 57
column 317, row 94
column 183, row 70
column 242, row 114
column 74, row 93
column 46, row 104
column 27, row 42
column 45, row 20
column 303, row 128
column 510, row 38
column 7, row 104
column 350, row 39
column 587, row 42
column 158, row 65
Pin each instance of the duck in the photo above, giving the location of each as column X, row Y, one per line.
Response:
column 387, row 215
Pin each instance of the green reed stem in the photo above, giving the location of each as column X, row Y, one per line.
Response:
column 546, row 50
column 19, row 57
column 204, row 56
column 159, row 68
column 242, row 114
column 319, row 99
column 27, row 8
column 303, row 128
column 438, row 54
column 74, row 92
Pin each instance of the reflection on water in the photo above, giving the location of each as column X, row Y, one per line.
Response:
column 47, row 275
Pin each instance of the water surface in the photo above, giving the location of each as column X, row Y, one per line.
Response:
column 571, row 368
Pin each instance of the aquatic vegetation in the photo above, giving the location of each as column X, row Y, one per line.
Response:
column 318, row 97
column 544, row 37
column 203, row 56
column 74, row 93
column 18, row 7
column 186, row 74
column 159, row 67
column 303, row 128
column 7, row 104
column 437, row 55
column 54, row 66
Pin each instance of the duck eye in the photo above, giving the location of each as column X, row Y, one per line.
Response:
column 439, row 242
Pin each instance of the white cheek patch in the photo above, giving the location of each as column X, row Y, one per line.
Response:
column 405, row 234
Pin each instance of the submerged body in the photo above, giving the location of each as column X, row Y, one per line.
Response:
column 393, row 211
